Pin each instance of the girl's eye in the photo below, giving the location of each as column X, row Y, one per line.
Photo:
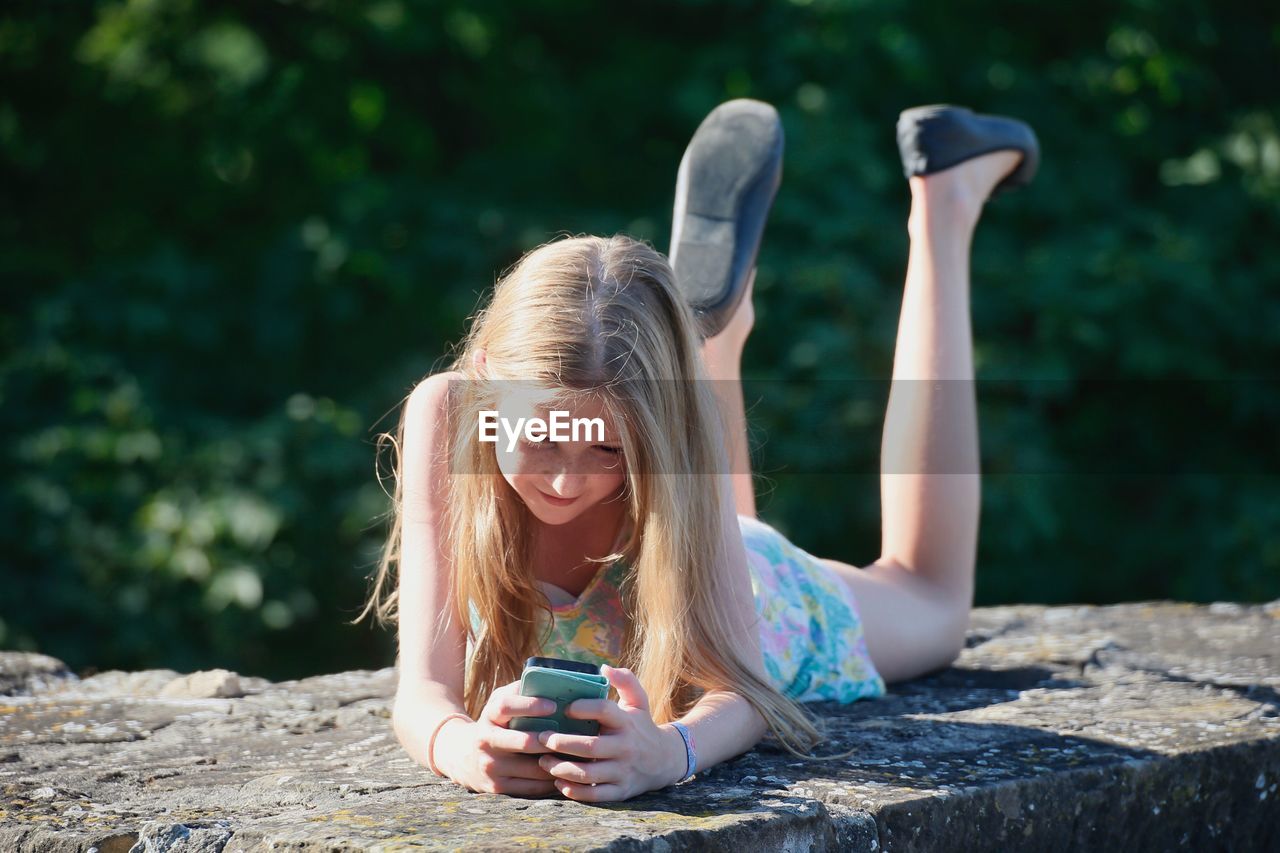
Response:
column 613, row 451
column 535, row 445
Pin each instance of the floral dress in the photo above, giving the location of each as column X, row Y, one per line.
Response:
column 810, row 631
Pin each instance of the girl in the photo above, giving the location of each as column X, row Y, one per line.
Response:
column 636, row 548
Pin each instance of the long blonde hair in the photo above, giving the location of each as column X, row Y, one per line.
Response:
column 598, row 316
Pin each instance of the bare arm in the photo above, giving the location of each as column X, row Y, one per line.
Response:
column 430, row 664
column 724, row 724
column 481, row 755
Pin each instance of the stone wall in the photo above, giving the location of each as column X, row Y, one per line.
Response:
column 1152, row 725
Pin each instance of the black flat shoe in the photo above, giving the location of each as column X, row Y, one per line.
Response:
column 937, row 137
column 725, row 186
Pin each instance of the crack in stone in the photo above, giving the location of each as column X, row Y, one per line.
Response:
column 1242, row 691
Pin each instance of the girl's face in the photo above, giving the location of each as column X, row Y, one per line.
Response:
column 560, row 480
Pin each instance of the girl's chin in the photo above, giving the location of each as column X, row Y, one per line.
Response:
column 553, row 515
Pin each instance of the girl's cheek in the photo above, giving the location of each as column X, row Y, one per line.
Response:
column 512, row 464
column 607, row 484
column 509, row 465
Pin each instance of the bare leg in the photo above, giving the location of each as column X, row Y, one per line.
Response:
column 915, row 599
column 722, row 356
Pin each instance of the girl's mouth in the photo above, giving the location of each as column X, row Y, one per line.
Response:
column 555, row 501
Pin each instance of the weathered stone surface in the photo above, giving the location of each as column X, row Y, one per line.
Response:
column 1153, row 725
column 24, row 673
column 206, row 684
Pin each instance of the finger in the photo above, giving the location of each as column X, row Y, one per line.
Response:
column 495, row 699
column 501, row 709
column 586, row 746
column 511, row 740
column 590, row 793
column 606, row 711
column 520, row 767
column 631, row 693
column 582, row 772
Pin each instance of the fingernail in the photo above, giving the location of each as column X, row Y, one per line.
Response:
column 544, row 737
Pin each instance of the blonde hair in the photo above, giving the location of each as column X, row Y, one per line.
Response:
column 602, row 317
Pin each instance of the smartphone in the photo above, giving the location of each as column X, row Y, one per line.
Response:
column 562, row 681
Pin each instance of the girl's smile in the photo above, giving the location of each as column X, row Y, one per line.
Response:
column 555, row 501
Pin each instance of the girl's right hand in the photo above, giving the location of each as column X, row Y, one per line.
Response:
column 486, row 756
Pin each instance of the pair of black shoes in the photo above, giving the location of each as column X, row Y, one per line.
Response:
column 731, row 170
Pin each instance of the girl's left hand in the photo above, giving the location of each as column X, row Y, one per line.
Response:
column 632, row 755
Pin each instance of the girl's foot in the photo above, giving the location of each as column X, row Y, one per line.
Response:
column 725, row 186
column 962, row 190
column 956, row 159
column 937, row 137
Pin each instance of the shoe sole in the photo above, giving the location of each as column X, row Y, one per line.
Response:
column 936, row 137
column 725, row 187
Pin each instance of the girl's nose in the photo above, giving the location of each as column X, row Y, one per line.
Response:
column 566, row 485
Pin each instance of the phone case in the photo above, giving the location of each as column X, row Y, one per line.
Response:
column 563, row 687
column 563, row 663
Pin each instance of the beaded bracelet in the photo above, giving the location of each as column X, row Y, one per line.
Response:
column 690, row 756
column 431, row 742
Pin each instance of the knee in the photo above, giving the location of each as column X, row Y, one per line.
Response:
column 955, row 632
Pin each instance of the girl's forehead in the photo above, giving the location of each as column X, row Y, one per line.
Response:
column 540, row 403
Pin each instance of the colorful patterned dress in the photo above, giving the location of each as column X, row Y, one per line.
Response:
column 810, row 631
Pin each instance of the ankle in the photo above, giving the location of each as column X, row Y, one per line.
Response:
column 948, row 193
column 940, row 205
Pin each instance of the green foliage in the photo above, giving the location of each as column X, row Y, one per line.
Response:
column 235, row 235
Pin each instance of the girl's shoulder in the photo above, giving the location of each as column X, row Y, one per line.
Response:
column 425, row 439
column 429, row 399
column 436, row 386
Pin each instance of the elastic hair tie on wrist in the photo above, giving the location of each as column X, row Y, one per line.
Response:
column 690, row 755
column 431, row 741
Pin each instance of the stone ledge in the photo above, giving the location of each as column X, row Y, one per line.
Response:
column 1138, row 726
